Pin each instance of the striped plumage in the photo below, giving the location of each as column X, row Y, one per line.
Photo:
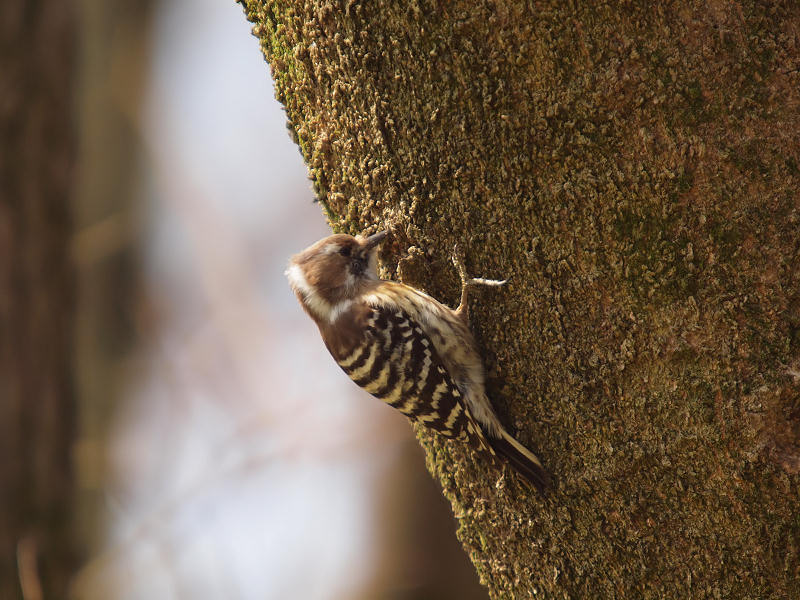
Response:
column 403, row 346
column 398, row 363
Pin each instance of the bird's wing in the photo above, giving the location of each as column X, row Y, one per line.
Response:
column 387, row 352
column 395, row 360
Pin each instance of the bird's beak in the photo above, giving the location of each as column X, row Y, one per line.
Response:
column 374, row 240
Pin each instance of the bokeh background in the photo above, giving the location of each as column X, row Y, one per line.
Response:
column 222, row 453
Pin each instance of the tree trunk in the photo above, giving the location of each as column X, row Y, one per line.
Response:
column 634, row 170
column 38, row 552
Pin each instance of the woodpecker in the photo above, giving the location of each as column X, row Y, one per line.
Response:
column 403, row 346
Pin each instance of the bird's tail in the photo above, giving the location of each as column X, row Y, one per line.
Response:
column 522, row 459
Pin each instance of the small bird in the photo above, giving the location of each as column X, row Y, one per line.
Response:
column 403, row 346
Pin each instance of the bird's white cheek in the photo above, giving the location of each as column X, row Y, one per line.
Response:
column 315, row 303
column 297, row 280
column 339, row 309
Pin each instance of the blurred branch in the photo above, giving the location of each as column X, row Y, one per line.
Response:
column 28, row 570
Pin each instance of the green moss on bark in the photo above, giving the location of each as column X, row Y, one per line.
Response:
column 629, row 168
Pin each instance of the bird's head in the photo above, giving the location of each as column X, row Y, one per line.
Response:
column 330, row 273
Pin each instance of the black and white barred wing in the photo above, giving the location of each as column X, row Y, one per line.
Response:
column 397, row 362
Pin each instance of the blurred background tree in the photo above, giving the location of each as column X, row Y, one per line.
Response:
column 38, row 417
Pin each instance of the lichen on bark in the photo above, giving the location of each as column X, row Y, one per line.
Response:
column 633, row 169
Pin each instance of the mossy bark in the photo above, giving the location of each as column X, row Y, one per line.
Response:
column 634, row 169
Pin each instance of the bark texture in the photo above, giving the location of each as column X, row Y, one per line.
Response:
column 37, row 403
column 634, row 169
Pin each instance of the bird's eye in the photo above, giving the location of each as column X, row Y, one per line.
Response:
column 345, row 250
